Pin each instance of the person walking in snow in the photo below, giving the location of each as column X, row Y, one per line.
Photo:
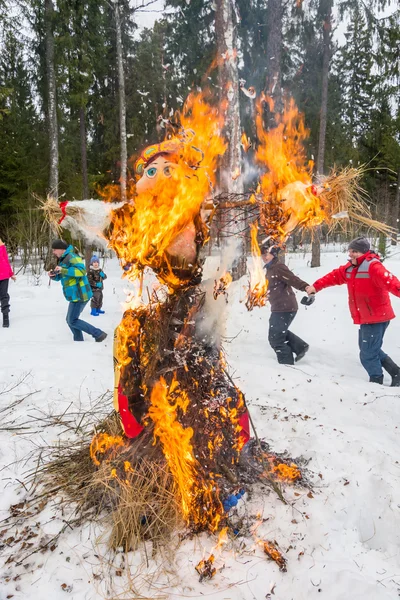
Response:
column 96, row 277
column 283, row 307
column 368, row 285
column 72, row 274
column 6, row 273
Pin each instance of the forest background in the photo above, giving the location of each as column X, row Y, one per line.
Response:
column 82, row 88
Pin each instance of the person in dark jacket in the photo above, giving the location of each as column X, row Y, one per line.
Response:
column 72, row 274
column 283, row 307
column 368, row 285
column 96, row 277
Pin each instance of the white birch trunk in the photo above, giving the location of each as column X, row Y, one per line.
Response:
column 52, row 100
column 122, row 102
column 231, row 180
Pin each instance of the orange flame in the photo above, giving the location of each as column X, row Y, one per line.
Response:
column 246, row 142
column 273, row 553
column 146, row 232
column 101, row 443
column 258, row 285
column 288, row 473
column 288, row 178
column 200, row 504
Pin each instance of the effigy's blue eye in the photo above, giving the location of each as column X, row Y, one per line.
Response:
column 151, row 172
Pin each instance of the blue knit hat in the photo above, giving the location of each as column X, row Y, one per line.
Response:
column 94, row 259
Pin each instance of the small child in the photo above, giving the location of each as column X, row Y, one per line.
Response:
column 6, row 273
column 96, row 277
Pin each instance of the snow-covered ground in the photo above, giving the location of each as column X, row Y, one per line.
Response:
column 341, row 541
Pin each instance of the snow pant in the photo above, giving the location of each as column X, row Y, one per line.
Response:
column 76, row 325
column 4, row 296
column 97, row 298
column 284, row 342
column 370, row 340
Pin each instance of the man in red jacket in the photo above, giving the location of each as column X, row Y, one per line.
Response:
column 368, row 285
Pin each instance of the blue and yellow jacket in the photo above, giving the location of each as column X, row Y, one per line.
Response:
column 73, row 277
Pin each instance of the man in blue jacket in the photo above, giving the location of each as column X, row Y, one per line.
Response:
column 72, row 274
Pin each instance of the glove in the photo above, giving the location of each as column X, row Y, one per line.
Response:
column 99, row 284
column 102, row 274
column 307, row 300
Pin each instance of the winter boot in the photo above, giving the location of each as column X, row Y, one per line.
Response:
column 394, row 371
column 6, row 320
column 100, row 312
column 101, row 337
column 376, row 379
column 94, row 312
column 302, row 353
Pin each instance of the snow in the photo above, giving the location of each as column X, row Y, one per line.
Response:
column 341, row 541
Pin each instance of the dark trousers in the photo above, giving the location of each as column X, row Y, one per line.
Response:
column 284, row 342
column 4, row 296
column 76, row 325
column 97, row 298
column 370, row 340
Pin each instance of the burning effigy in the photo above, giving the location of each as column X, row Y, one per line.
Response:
column 178, row 448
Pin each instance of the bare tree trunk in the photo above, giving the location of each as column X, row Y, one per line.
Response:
column 326, row 11
column 274, row 58
column 122, row 102
column 51, row 99
column 231, row 179
column 396, row 211
column 82, row 128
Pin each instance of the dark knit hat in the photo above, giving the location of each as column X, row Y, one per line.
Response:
column 59, row 245
column 360, row 244
column 274, row 250
column 94, row 259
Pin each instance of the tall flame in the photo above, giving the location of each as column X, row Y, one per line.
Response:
column 258, row 285
column 199, row 501
column 287, row 183
column 145, row 230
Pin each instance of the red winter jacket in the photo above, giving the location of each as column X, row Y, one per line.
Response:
column 368, row 285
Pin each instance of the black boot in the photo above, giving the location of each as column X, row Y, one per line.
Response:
column 376, row 380
column 394, row 371
column 6, row 320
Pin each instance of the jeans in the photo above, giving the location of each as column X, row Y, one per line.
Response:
column 4, row 296
column 370, row 339
column 283, row 341
column 76, row 325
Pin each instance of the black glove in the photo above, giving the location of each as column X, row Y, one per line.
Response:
column 307, row 300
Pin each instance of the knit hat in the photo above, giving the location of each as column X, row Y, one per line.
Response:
column 274, row 250
column 59, row 245
column 360, row 244
column 94, row 259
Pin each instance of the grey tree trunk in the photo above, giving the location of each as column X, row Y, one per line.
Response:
column 122, row 102
column 82, row 129
column 231, row 179
column 51, row 99
column 396, row 211
column 274, row 58
column 326, row 10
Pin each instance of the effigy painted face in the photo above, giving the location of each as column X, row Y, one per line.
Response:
column 159, row 169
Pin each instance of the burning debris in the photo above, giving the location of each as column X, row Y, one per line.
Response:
column 271, row 550
column 205, row 568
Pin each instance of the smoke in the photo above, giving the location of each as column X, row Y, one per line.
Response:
column 211, row 326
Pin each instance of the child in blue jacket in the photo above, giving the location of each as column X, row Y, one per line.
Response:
column 96, row 277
